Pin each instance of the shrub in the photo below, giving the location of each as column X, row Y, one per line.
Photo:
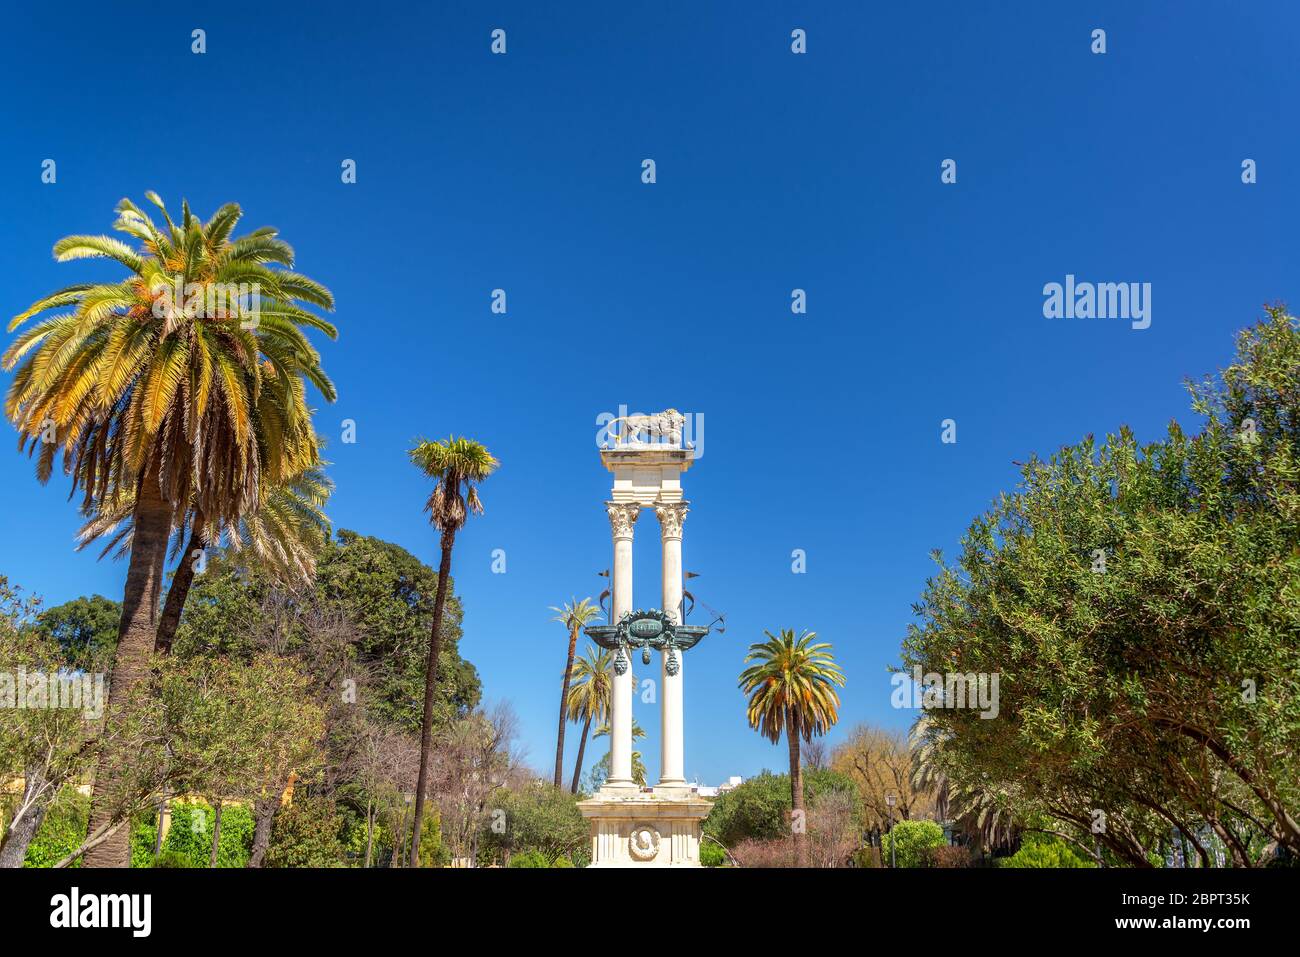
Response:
column 61, row 831
column 306, row 834
column 914, row 839
column 190, row 834
column 533, row 858
column 171, row 859
column 949, row 855
column 711, row 855
column 1043, row 851
column 562, row 862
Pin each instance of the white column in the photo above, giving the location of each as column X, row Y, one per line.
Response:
column 672, row 724
column 622, row 521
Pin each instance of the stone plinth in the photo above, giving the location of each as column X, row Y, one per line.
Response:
column 647, row 830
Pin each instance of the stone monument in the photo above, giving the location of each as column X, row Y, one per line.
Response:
column 659, row 826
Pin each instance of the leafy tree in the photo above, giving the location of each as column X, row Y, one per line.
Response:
column 574, row 616
column 173, row 400
column 85, row 629
column 1139, row 604
column 457, row 467
column 307, row 833
column 759, row 808
column 908, row 843
column 880, row 764
column 47, row 747
column 537, row 819
column 791, row 691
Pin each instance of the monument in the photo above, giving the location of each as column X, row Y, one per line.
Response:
column 659, row 826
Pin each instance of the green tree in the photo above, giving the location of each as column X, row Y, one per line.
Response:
column 791, row 690
column 1138, row 602
column 908, row 843
column 46, row 741
column 536, row 818
column 177, row 401
column 457, row 467
column 759, row 808
column 574, row 616
column 307, row 833
column 85, row 629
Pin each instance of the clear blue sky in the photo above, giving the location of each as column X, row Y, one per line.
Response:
column 775, row 171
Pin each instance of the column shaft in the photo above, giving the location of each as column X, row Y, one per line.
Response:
column 622, row 517
column 672, row 710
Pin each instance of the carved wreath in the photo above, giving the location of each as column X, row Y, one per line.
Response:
column 643, row 843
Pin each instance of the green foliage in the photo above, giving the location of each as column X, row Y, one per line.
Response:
column 759, row 809
column 536, row 818
column 384, row 591
column 711, row 855
column 532, row 858
column 909, row 842
column 1045, row 851
column 171, row 859
column 1139, row 603
column 85, row 630
column 306, row 833
column 189, row 838
column 61, row 831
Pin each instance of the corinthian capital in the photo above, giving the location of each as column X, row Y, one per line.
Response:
column 672, row 517
column 622, row 517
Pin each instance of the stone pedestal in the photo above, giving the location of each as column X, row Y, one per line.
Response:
column 649, row 830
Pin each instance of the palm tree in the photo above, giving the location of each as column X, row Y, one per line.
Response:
column 175, row 396
column 638, row 765
column 285, row 534
column 457, row 467
column 791, row 689
column 588, row 698
column 573, row 616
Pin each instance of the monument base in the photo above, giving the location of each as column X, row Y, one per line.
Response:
column 645, row 830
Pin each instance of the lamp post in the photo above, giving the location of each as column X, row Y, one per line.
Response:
column 890, row 800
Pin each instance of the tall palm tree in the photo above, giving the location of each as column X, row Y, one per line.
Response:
column 791, row 689
column 588, row 698
column 457, row 467
column 285, row 534
column 573, row 616
column 161, row 384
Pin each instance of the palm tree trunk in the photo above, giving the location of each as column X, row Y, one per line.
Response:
column 430, row 678
column 178, row 592
column 582, row 746
column 216, row 832
column 135, row 641
column 564, row 700
column 798, row 817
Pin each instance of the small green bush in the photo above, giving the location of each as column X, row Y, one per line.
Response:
column 171, row 859
column 306, row 833
column 1042, row 851
column 711, row 855
column 561, row 862
column 914, row 841
column 532, row 858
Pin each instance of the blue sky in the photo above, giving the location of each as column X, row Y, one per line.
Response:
column 775, row 171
